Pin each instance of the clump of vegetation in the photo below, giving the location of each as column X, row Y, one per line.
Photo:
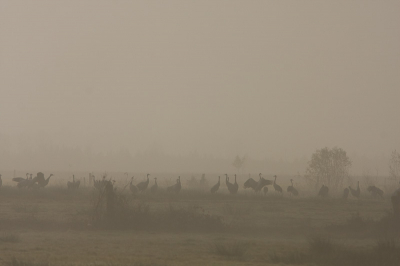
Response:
column 117, row 211
column 10, row 238
column 231, row 250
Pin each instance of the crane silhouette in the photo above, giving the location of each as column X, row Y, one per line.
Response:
column 276, row 186
column 216, row 186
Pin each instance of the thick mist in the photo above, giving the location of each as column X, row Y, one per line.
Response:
column 270, row 80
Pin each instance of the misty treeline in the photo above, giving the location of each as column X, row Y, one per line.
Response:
column 394, row 165
column 66, row 158
column 85, row 159
column 331, row 167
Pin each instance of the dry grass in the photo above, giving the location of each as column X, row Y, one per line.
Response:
column 235, row 250
column 16, row 262
column 10, row 238
column 178, row 229
column 324, row 251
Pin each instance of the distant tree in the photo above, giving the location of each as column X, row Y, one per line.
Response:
column 239, row 162
column 329, row 167
column 203, row 182
column 394, row 165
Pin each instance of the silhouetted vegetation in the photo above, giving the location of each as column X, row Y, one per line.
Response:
column 113, row 210
column 329, row 167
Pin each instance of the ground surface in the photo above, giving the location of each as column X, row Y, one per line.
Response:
column 54, row 226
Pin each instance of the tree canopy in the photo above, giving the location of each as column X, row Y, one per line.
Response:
column 329, row 167
column 239, row 162
column 394, row 165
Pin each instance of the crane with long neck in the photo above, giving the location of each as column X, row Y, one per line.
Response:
column 132, row 187
column 355, row 192
column 216, row 186
column 142, row 186
column 46, row 182
column 292, row 190
column 229, row 185
column 276, row 186
column 154, row 187
column 235, row 187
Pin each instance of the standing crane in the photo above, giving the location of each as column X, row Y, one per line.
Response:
column 177, row 187
column 262, row 182
column 250, row 183
column 132, row 187
column 345, row 193
column 235, row 187
column 323, row 191
column 355, row 192
column 216, row 186
column 276, row 186
column 229, row 185
column 292, row 190
column 154, row 187
column 142, row 186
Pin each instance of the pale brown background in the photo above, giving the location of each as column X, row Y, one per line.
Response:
column 270, row 79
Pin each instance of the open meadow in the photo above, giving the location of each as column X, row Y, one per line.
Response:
column 59, row 226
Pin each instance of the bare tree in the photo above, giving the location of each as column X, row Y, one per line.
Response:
column 239, row 162
column 329, row 167
column 394, row 165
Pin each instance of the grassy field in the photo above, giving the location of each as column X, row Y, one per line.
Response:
column 57, row 226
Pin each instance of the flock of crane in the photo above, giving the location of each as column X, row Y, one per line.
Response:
column 39, row 181
column 262, row 184
column 36, row 182
column 257, row 186
column 142, row 186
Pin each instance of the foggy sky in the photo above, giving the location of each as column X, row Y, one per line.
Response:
column 264, row 78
